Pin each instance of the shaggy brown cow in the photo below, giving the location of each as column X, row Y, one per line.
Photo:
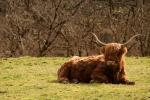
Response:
column 106, row 68
column 86, row 69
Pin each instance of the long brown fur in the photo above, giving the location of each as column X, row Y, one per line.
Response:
column 106, row 68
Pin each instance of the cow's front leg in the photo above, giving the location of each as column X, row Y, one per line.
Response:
column 122, row 78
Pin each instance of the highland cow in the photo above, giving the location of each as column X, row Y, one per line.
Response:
column 106, row 68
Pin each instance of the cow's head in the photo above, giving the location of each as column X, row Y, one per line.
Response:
column 114, row 51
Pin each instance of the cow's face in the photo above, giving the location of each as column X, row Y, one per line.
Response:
column 114, row 51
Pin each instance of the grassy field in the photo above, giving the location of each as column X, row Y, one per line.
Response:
column 31, row 78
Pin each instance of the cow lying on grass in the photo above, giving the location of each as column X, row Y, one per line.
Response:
column 106, row 68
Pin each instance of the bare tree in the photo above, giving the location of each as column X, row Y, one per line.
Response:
column 64, row 27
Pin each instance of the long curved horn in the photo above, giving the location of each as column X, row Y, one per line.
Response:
column 100, row 42
column 130, row 39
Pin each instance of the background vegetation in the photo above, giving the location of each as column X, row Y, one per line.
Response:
column 63, row 27
column 29, row 78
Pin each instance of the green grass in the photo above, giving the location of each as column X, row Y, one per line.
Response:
column 31, row 78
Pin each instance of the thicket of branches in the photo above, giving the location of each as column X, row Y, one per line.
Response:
column 63, row 27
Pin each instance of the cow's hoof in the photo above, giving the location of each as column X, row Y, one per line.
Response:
column 65, row 82
column 131, row 83
column 94, row 81
column 75, row 81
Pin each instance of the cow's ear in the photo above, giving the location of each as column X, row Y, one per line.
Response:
column 102, row 49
